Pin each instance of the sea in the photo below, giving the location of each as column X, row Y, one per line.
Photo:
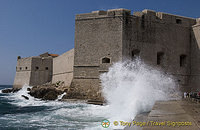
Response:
column 17, row 113
column 129, row 88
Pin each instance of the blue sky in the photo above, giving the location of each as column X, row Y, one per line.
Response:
column 32, row 27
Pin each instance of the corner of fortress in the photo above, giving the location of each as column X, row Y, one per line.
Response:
column 166, row 41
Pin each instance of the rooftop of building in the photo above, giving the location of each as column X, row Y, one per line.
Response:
column 44, row 55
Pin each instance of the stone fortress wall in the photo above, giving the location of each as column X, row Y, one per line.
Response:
column 33, row 71
column 23, row 72
column 162, row 40
column 63, row 68
column 165, row 41
column 195, row 56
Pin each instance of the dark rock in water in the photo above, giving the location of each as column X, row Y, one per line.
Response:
column 7, row 90
column 10, row 90
column 95, row 102
column 51, row 95
column 28, row 89
column 15, row 90
column 25, row 97
column 45, row 92
column 66, row 90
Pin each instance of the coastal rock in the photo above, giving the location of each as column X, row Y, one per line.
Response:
column 28, row 89
column 45, row 92
column 10, row 90
column 25, row 97
column 51, row 95
column 7, row 91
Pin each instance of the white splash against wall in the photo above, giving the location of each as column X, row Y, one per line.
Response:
column 133, row 87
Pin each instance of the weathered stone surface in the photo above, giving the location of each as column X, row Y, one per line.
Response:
column 63, row 68
column 45, row 92
column 51, row 95
column 170, row 111
column 32, row 71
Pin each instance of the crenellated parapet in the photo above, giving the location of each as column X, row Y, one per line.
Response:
column 104, row 14
column 147, row 14
column 152, row 15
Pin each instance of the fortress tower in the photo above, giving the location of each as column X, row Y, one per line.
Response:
column 165, row 41
column 162, row 40
column 35, row 70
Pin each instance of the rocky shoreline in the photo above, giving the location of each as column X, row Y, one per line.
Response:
column 10, row 90
column 45, row 92
column 52, row 91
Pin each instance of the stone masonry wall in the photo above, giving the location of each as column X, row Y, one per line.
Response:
column 44, row 72
column 155, row 32
column 33, row 71
column 98, row 35
column 23, row 72
column 195, row 57
column 63, row 68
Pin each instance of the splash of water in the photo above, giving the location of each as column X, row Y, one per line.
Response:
column 129, row 88
column 133, row 87
column 52, row 114
column 20, row 101
column 61, row 96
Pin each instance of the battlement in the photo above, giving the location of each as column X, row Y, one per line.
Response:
column 146, row 14
column 165, row 17
column 197, row 22
column 102, row 13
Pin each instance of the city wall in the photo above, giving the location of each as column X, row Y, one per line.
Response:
column 63, row 68
column 33, row 71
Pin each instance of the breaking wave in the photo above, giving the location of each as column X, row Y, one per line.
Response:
column 129, row 88
column 34, row 113
column 132, row 87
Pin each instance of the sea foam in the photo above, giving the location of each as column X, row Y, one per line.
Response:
column 132, row 87
column 129, row 88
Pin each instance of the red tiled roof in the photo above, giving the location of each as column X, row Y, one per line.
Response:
column 54, row 55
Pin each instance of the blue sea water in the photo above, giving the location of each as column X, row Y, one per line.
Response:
column 17, row 113
column 130, row 88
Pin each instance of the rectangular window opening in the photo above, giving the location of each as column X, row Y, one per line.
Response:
column 135, row 53
column 178, row 21
column 160, row 56
column 183, row 60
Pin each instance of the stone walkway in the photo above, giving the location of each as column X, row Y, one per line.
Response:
column 167, row 115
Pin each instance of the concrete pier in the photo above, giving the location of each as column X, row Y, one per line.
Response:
column 175, row 115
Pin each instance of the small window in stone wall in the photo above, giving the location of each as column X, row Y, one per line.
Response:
column 183, row 60
column 26, row 68
column 160, row 57
column 135, row 53
column 20, row 68
column 143, row 22
column 178, row 21
column 105, row 60
column 46, row 68
column 36, row 68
